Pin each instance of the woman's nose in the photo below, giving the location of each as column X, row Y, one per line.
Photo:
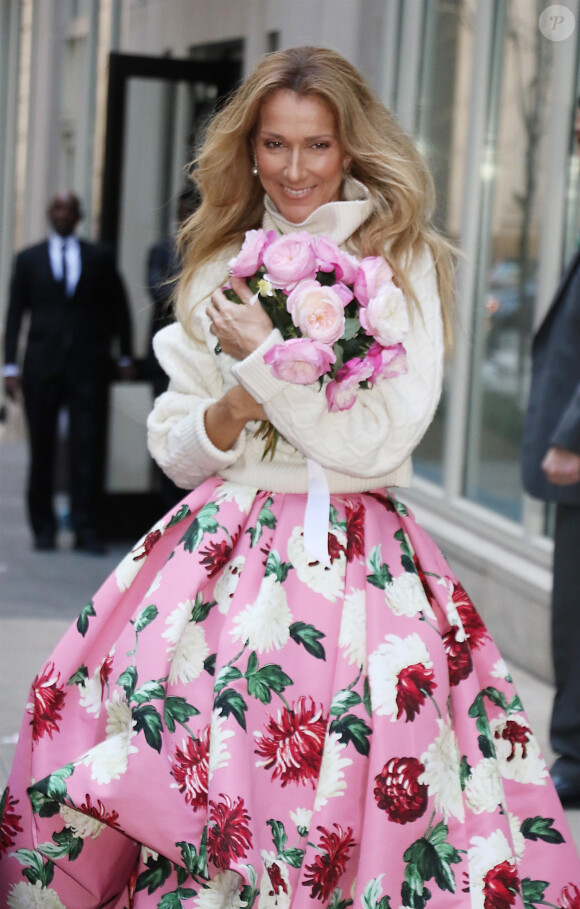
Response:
column 294, row 164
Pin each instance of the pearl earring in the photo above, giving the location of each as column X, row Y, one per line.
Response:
column 255, row 167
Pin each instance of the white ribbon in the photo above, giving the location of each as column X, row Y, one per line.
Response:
column 317, row 513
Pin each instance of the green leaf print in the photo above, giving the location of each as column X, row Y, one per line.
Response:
column 367, row 696
column 128, row 680
column 201, row 610
column 177, row 710
column 180, row 515
column 533, row 892
column 229, row 702
column 173, row 900
column 205, row 522
column 209, row 664
column 145, row 617
column 515, row 705
column 65, row 844
column 293, row 856
column 279, row 835
column 464, row 772
column 381, row 576
column 429, row 858
column 54, row 786
column 80, row 676
column 226, row 675
column 406, row 552
column 353, row 729
column 343, row 701
column 261, row 682
column 42, row 805
column 399, row 507
column 266, row 518
column 415, row 895
column 148, row 692
column 309, row 637
column 35, row 869
column 275, row 566
column 158, row 870
column 83, row 619
column 541, row 828
column 148, row 720
column 371, row 898
column 194, row 863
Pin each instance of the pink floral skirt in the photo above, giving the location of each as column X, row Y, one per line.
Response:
column 231, row 724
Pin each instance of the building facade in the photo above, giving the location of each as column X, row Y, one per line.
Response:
column 488, row 89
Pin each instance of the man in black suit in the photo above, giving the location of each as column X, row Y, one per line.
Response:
column 551, row 471
column 76, row 304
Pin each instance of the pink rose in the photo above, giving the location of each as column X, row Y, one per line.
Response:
column 317, row 311
column 344, row 292
column 250, row 257
column 300, row 360
column 372, row 272
column 290, row 259
column 327, row 254
column 387, row 362
column 347, row 267
column 342, row 392
column 386, row 317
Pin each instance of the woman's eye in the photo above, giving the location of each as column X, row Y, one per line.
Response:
column 321, row 145
column 273, row 143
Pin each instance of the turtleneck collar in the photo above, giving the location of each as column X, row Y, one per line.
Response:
column 337, row 220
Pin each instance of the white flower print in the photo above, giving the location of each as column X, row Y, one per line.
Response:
column 518, row 839
column 265, row 624
column 405, row 596
column 119, row 718
column 275, row 890
column 109, row 759
column 331, row 781
column 441, row 774
column 386, row 663
column 82, row 825
column 243, row 496
column 316, row 576
column 353, row 631
column 484, row 790
column 500, row 670
column 302, row 817
column 147, row 853
column 517, row 750
column 225, row 586
column 33, row 896
column 91, row 693
column 129, row 567
column 483, row 855
column 155, row 584
column 451, row 610
column 188, row 648
column 219, row 756
column 223, row 892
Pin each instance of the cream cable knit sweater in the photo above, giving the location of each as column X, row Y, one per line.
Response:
column 366, row 447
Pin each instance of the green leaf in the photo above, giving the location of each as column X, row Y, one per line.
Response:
column 266, row 518
column 149, row 691
column 226, row 675
column 209, row 664
column 180, row 515
column 267, row 679
column 533, row 892
column 149, row 721
column 145, row 617
column 42, row 805
column 190, row 858
column 515, row 705
column 372, row 892
column 279, row 835
column 438, row 834
column 201, row 610
column 74, row 844
column 230, row 701
column 54, row 786
column 80, row 676
column 177, row 710
column 252, row 664
column 353, row 729
column 170, row 901
column 381, row 576
column 541, row 828
column 343, row 701
column 293, row 856
column 128, row 680
column 406, row 552
column 205, row 522
column 83, row 619
column 432, row 858
column 367, row 696
column 486, row 746
column 351, row 329
column 399, row 507
column 309, row 637
column 158, row 870
column 464, row 772
column 275, row 566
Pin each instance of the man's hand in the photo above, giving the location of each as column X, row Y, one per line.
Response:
column 12, row 387
column 562, row 467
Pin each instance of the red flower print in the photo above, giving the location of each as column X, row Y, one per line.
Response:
column 294, row 743
column 475, row 631
column 99, row 812
column 570, row 897
column 47, row 702
column 228, row 836
column 500, row 886
column 218, row 554
column 190, row 769
column 105, row 671
column 384, row 500
column 276, row 880
column 355, row 531
column 414, row 684
column 459, row 659
column 9, row 825
column 398, row 791
column 148, row 543
column 335, row 548
column 327, row 868
column 515, row 734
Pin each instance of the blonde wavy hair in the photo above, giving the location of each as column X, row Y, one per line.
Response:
column 382, row 157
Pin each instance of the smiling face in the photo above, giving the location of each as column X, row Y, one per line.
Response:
column 300, row 160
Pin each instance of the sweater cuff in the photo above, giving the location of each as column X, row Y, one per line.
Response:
column 195, row 445
column 256, row 376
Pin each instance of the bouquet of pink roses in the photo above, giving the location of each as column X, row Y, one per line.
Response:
column 340, row 318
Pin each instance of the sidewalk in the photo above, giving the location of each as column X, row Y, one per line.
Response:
column 41, row 594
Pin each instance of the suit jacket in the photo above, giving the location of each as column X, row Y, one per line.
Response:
column 67, row 333
column 553, row 416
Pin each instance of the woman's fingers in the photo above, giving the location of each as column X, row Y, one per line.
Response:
column 241, row 288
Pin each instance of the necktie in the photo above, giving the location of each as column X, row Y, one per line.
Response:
column 64, row 270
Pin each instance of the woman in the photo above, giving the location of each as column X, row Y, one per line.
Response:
column 281, row 699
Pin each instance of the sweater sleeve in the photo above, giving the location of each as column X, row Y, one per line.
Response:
column 176, row 434
column 387, row 422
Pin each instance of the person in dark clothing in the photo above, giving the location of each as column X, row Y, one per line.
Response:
column 76, row 303
column 551, row 471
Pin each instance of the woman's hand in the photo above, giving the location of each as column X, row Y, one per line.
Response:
column 225, row 420
column 240, row 329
